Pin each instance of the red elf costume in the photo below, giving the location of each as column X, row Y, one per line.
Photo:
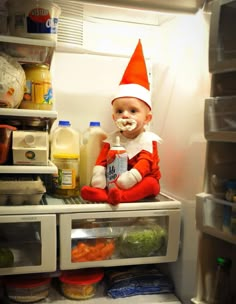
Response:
column 142, row 178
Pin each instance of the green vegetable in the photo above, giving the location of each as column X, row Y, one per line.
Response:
column 6, row 258
column 142, row 241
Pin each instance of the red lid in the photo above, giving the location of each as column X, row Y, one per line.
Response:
column 27, row 283
column 82, row 276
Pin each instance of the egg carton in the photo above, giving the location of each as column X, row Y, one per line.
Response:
column 21, row 191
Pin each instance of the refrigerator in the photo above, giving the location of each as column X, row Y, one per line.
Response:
column 94, row 43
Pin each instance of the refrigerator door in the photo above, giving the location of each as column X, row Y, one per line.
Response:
column 119, row 238
column 25, row 244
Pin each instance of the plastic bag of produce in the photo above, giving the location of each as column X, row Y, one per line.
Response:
column 137, row 280
column 12, row 82
column 142, row 241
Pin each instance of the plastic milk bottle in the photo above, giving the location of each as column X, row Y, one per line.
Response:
column 91, row 146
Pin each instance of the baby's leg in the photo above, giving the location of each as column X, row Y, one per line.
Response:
column 149, row 186
column 94, row 194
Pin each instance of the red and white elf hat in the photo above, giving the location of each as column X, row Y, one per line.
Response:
column 134, row 82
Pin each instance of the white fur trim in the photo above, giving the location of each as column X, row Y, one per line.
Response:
column 134, row 90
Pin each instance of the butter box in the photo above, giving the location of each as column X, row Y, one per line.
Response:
column 30, row 148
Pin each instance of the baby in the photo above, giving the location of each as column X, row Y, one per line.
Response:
column 131, row 113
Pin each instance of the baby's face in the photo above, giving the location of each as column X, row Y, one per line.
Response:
column 130, row 115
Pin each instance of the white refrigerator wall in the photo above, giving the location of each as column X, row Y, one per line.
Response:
column 84, row 85
column 181, row 84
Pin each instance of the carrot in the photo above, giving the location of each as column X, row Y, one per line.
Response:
column 100, row 251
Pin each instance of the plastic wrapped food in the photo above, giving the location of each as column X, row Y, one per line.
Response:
column 137, row 280
column 12, row 82
column 6, row 258
column 142, row 241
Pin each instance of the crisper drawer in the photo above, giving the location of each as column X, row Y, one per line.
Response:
column 118, row 238
column 27, row 244
column 216, row 217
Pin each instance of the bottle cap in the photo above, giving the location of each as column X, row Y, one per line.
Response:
column 226, row 262
column 94, row 124
column 64, row 123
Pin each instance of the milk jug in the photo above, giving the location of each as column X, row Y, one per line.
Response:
column 91, row 146
column 64, row 139
column 65, row 155
column 117, row 163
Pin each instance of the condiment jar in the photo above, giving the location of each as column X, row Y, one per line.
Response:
column 38, row 93
column 66, row 181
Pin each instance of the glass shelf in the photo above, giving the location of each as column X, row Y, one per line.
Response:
column 28, row 113
column 27, row 50
column 14, row 169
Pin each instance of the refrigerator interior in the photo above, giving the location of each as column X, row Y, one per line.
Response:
column 86, row 75
column 176, row 48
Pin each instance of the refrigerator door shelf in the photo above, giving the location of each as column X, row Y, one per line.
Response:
column 219, row 119
column 216, row 217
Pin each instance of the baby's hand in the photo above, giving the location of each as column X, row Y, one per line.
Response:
column 129, row 179
column 99, row 177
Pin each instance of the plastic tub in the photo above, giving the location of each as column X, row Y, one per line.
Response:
column 21, row 190
column 27, row 290
column 35, row 19
column 80, row 284
column 5, row 142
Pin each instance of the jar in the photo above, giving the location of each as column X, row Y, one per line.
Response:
column 80, row 284
column 38, row 93
column 27, row 290
column 66, row 181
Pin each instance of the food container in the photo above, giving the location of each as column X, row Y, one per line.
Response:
column 27, row 290
column 66, row 181
column 5, row 142
column 30, row 148
column 80, row 284
column 35, row 19
column 38, row 93
column 12, row 82
column 21, row 190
